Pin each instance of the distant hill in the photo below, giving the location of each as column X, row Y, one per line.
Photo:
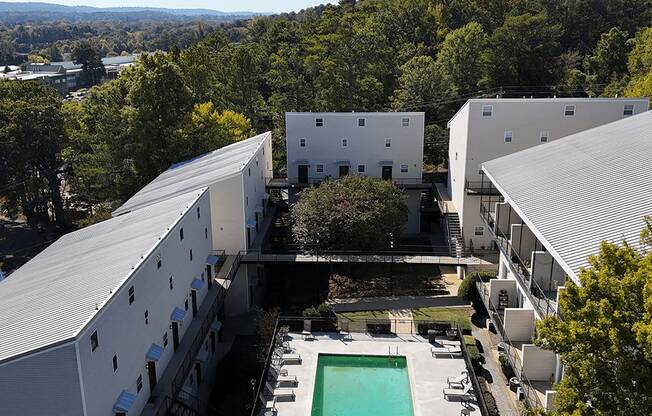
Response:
column 36, row 7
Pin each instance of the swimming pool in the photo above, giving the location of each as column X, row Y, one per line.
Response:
column 361, row 385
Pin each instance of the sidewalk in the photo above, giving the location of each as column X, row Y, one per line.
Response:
column 394, row 303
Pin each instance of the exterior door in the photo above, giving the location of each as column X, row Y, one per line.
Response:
column 344, row 170
column 303, row 173
column 198, row 373
column 175, row 335
column 193, row 296
column 387, row 173
column 212, row 338
column 209, row 276
column 151, row 373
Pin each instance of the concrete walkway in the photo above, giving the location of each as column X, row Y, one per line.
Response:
column 505, row 398
column 394, row 303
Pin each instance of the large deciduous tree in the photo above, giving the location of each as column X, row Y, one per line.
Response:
column 351, row 213
column 605, row 337
column 31, row 138
column 86, row 55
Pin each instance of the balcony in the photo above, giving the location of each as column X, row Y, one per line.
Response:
column 528, row 261
column 482, row 187
column 515, row 326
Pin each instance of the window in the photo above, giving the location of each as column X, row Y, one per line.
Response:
column 320, row 168
column 345, row 142
column 246, row 200
column 302, row 142
column 190, row 254
column 249, row 170
column 319, row 122
column 404, row 168
column 569, row 111
column 132, row 295
column 388, row 142
column 543, row 136
column 455, row 155
column 185, row 304
column 361, row 168
column 628, row 109
column 94, row 342
column 405, row 122
column 146, row 317
column 198, row 213
column 508, row 136
column 205, row 233
column 139, row 383
column 361, row 122
column 487, row 110
column 165, row 339
column 158, row 262
column 171, row 284
column 181, row 234
column 479, row 230
column 115, row 362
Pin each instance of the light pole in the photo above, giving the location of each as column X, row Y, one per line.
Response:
column 391, row 265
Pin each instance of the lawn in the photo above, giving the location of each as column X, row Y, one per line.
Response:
column 461, row 315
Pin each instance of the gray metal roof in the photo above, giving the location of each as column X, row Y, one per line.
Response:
column 55, row 295
column 196, row 173
column 577, row 191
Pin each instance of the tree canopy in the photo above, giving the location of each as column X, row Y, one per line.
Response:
column 605, row 337
column 352, row 213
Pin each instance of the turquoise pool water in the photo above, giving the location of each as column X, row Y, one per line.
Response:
column 358, row 385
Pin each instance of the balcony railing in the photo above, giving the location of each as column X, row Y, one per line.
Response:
column 535, row 294
column 511, row 352
column 482, row 187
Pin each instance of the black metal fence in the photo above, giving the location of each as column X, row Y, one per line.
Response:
column 419, row 330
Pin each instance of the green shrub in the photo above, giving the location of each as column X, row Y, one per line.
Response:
column 476, row 358
column 323, row 311
column 506, row 367
column 467, row 289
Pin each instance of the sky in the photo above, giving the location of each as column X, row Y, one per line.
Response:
column 222, row 5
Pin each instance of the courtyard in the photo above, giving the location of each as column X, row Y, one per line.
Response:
column 427, row 375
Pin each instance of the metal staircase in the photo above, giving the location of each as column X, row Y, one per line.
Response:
column 454, row 231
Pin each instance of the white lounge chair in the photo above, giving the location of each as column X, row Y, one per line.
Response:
column 307, row 330
column 269, row 404
column 279, row 380
column 465, row 394
column 459, row 381
column 450, row 351
column 286, row 358
column 278, row 369
column 281, row 393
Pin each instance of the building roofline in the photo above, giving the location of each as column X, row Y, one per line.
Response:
column 555, row 99
column 349, row 113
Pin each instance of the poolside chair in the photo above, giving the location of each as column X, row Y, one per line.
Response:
column 459, row 381
column 450, row 351
column 344, row 330
column 307, row 331
column 464, row 394
column 281, row 393
column 288, row 358
column 278, row 369
column 268, row 405
column 279, row 380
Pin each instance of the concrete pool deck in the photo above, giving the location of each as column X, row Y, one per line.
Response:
column 427, row 374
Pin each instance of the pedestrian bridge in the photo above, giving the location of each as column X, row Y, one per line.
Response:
column 259, row 257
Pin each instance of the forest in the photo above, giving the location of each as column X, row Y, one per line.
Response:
column 66, row 163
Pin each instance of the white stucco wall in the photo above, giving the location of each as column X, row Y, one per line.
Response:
column 121, row 326
column 366, row 145
column 538, row 364
column 519, row 324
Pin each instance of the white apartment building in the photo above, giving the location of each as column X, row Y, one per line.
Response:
column 549, row 209
column 235, row 176
column 385, row 145
column 485, row 129
column 106, row 314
